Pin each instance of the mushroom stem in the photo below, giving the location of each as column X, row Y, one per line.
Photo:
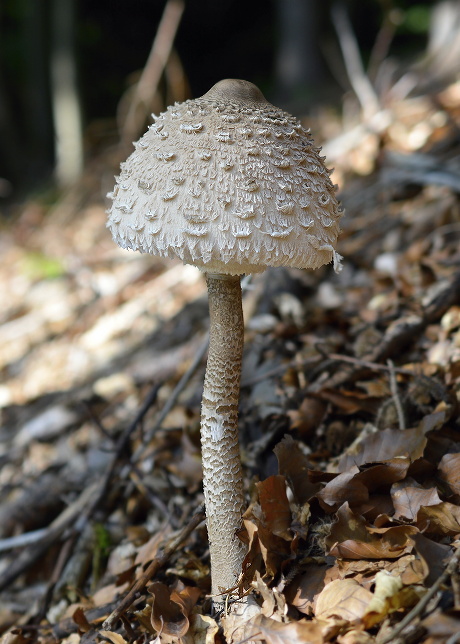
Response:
column 222, row 473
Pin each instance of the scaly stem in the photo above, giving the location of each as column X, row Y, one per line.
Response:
column 222, row 473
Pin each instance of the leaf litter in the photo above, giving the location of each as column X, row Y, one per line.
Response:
column 349, row 422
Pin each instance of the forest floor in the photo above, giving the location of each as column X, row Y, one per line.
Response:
column 349, row 417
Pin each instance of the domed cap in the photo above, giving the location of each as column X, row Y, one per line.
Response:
column 229, row 183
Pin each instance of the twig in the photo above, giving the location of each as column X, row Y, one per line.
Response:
column 68, row 517
column 21, row 540
column 359, row 81
column 395, row 395
column 423, row 603
column 153, row 568
column 173, row 398
column 151, row 74
column 79, row 512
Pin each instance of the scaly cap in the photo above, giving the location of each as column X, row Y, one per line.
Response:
column 229, row 183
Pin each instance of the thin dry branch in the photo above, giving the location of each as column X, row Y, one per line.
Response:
column 424, row 601
column 360, row 83
column 153, row 568
column 148, row 82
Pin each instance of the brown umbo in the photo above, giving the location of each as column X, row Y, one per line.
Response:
column 231, row 184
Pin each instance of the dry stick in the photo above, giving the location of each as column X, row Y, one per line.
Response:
column 183, row 382
column 21, row 540
column 333, row 357
column 423, row 603
column 99, row 496
column 151, row 74
column 153, row 568
column 28, row 557
column 360, row 83
column 78, row 513
column 400, row 335
column 121, row 445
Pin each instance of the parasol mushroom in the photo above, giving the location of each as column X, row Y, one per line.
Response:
column 231, row 184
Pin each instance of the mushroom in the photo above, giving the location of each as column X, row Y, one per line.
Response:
column 231, row 184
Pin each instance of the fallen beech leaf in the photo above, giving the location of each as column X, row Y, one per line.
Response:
column 109, row 593
column 294, row 465
column 343, row 598
column 443, row 519
column 149, row 550
column 433, row 421
column 303, row 591
column 114, row 637
column 344, row 487
column 263, row 546
column 270, row 631
column 355, row 637
column 385, row 445
column 352, row 538
column 355, row 484
column 170, row 609
column 275, row 506
column 80, row 620
column 273, row 602
column 347, row 525
column 442, row 627
column 450, row 471
column 274, row 550
column 433, row 557
column 203, row 629
column 308, row 416
column 377, row 506
column 408, row 497
column 408, row 567
column 350, row 402
column 379, row 475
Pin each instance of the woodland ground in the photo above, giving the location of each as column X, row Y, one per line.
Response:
column 349, row 416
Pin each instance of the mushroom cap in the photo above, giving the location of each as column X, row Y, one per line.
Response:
column 229, row 183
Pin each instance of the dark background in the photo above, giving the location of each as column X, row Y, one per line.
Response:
column 287, row 47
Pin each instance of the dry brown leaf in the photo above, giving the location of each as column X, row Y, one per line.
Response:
column 270, row 631
column 273, row 602
column 171, row 609
column 115, row 638
column 355, row 637
column 149, row 550
column 385, row 445
column 350, row 402
column 344, row 487
column 377, row 506
column 433, row 557
column 274, row 550
column 18, row 638
column 80, row 620
column 203, row 630
column 408, row 497
column 308, row 416
column 441, row 627
column 450, row 471
column 294, row 465
column 442, row 519
column 352, row 537
column 108, row 593
column 343, row 598
column 303, row 591
column 275, row 506
column 379, row 475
